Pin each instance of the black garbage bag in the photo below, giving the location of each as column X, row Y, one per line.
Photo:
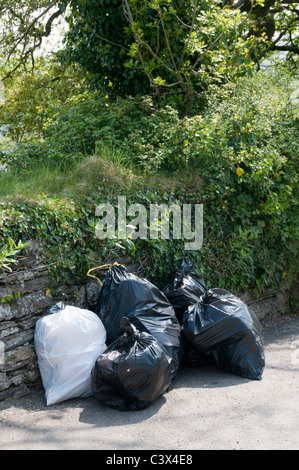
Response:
column 125, row 295
column 133, row 372
column 184, row 288
column 222, row 324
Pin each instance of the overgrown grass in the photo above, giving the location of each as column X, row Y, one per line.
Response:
column 108, row 169
column 107, row 165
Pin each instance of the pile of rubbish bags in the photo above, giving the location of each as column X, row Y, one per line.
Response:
column 128, row 351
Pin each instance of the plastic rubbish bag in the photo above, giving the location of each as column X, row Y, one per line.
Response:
column 221, row 324
column 133, row 372
column 125, row 295
column 67, row 343
column 184, row 288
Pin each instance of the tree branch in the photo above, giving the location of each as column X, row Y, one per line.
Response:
column 30, row 37
column 239, row 4
column 167, row 40
column 30, row 27
column 285, row 48
column 138, row 39
column 274, row 45
column 189, row 35
column 205, row 51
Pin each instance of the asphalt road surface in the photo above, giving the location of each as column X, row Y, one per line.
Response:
column 206, row 409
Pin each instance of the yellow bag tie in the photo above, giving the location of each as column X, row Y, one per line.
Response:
column 101, row 267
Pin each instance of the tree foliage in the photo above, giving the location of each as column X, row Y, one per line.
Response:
column 175, row 47
column 277, row 20
column 160, row 46
column 171, row 47
column 24, row 25
column 32, row 96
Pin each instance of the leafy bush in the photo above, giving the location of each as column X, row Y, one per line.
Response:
column 91, row 117
column 9, row 253
column 239, row 159
column 29, row 94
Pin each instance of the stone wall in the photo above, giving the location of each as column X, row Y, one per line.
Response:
column 25, row 297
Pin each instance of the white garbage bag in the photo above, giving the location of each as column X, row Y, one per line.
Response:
column 67, row 344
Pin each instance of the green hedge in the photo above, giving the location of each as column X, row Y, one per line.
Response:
column 239, row 159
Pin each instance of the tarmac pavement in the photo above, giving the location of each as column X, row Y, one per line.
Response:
column 206, row 409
